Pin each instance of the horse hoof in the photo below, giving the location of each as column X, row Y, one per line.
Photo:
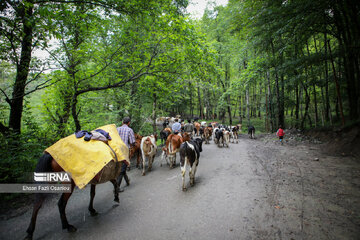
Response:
column 143, row 174
column 71, row 228
column 116, row 200
column 28, row 237
column 92, row 213
column 184, row 189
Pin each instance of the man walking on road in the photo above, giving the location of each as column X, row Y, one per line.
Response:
column 128, row 137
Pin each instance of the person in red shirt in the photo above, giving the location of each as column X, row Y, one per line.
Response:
column 280, row 133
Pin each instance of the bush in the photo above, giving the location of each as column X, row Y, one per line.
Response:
column 19, row 155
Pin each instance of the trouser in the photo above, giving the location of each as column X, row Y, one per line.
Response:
column 123, row 175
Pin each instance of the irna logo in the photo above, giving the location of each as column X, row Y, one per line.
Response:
column 51, row 177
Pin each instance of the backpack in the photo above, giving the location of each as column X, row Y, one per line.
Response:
column 281, row 132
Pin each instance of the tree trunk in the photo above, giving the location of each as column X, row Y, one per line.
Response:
column 337, row 87
column 74, row 113
column 240, row 112
column 297, row 106
column 278, row 97
column 307, row 104
column 327, row 101
column 191, row 101
column 234, row 114
column 314, row 88
column 22, row 71
column 247, row 105
column 267, row 111
column 270, row 102
column 200, row 105
column 282, row 105
column 229, row 111
column 315, row 105
column 154, row 113
column 259, row 102
column 347, row 44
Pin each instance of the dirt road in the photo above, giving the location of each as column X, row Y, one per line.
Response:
column 256, row 189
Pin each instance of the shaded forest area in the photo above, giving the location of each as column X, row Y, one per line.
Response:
column 266, row 63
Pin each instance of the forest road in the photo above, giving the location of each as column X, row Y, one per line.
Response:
column 255, row 189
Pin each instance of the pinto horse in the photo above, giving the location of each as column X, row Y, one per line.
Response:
column 46, row 163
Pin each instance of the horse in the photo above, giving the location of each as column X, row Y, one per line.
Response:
column 47, row 163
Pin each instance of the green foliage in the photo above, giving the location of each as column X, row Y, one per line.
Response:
column 20, row 153
column 122, row 58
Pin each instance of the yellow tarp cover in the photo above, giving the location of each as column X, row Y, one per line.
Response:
column 84, row 159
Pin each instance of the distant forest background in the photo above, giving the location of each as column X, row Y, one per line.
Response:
column 265, row 63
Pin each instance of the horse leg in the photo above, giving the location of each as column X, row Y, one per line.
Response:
column 194, row 169
column 191, row 176
column 151, row 158
column 92, row 195
column 44, row 165
column 123, row 175
column 144, row 159
column 162, row 158
column 171, row 159
column 62, row 205
column 116, row 190
column 39, row 199
column 183, row 171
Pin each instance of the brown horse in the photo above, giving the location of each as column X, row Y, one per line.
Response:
column 48, row 164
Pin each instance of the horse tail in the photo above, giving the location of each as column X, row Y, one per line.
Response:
column 44, row 163
column 171, row 149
